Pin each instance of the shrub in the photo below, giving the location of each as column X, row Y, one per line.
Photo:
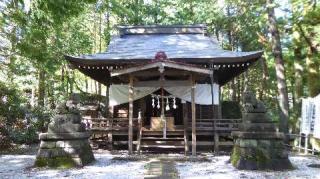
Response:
column 231, row 110
column 24, row 136
column 5, row 142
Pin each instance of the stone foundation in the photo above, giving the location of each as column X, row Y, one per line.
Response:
column 66, row 144
column 258, row 145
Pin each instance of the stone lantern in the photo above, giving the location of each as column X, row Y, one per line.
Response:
column 258, row 144
column 66, row 143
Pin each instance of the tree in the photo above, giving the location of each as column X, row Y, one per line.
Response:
column 280, row 69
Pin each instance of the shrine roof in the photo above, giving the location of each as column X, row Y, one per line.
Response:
column 181, row 43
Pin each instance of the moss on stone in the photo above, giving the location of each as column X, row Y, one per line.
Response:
column 63, row 162
column 261, row 158
column 235, row 156
column 41, row 162
column 258, row 156
column 57, row 162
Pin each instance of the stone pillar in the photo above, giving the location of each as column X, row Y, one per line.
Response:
column 66, row 144
column 258, row 144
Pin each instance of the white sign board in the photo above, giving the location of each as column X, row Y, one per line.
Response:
column 316, row 129
column 306, row 116
column 310, row 116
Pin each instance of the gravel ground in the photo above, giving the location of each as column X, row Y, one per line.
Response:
column 219, row 167
column 20, row 166
column 118, row 165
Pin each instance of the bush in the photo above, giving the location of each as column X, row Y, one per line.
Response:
column 10, row 104
column 40, row 118
column 27, row 135
column 5, row 142
column 231, row 110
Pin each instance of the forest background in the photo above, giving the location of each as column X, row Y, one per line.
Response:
column 36, row 34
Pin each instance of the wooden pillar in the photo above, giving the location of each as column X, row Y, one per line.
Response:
column 107, row 101
column 130, row 114
column 185, row 126
column 139, row 132
column 306, row 143
column 110, row 119
column 193, row 112
column 219, row 105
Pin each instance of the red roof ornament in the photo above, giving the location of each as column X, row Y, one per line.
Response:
column 161, row 55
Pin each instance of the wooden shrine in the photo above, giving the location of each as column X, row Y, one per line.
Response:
column 166, row 59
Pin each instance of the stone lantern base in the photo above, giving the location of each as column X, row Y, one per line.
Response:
column 258, row 144
column 66, row 144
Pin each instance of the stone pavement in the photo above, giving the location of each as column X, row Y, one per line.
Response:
column 161, row 168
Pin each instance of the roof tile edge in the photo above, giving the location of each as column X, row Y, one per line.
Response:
column 162, row 29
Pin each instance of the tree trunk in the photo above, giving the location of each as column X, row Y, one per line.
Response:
column 280, row 71
column 51, row 94
column 265, row 78
column 87, row 84
column 233, row 90
column 298, row 75
column 62, row 79
column 311, row 61
column 99, row 89
column 41, row 88
column 312, row 74
column 239, row 88
column 71, row 81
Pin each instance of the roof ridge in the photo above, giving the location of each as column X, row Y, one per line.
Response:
column 162, row 29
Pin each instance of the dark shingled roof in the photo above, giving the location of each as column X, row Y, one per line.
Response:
column 185, row 43
column 189, row 43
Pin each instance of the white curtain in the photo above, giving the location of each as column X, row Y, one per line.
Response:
column 119, row 94
column 203, row 93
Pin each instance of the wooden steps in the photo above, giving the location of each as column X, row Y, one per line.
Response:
column 153, row 141
column 164, row 139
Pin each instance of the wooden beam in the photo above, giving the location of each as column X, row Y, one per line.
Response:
column 164, row 83
column 189, row 68
column 167, row 72
column 133, row 69
column 193, row 112
column 130, row 114
column 161, row 64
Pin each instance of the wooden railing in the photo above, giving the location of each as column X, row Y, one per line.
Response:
column 217, row 128
column 110, row 124
column 218, row 125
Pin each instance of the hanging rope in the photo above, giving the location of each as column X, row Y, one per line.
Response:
column 156, row 99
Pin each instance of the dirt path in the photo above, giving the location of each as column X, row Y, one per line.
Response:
column 161, row 168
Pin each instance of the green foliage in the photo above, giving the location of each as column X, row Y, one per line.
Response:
column 5, row 142
column 27, row 135
column 230, row 110
column 10, row 104
column 39, row 37
column 40, row 118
